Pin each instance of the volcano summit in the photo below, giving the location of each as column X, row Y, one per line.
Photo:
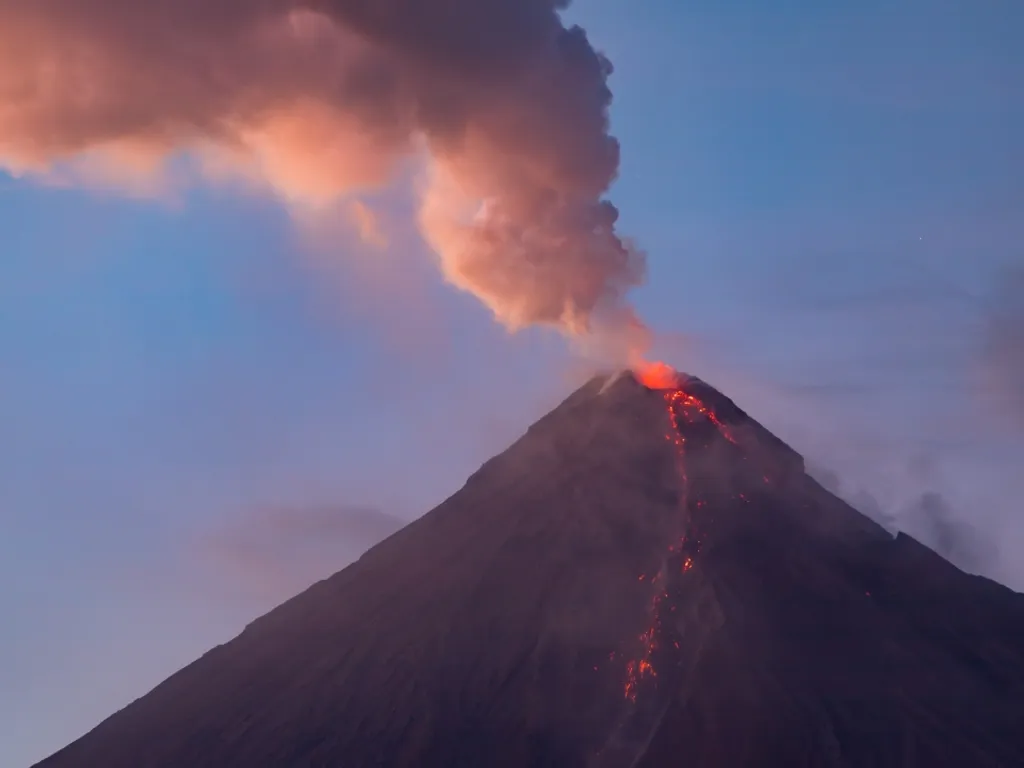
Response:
column 646, row 578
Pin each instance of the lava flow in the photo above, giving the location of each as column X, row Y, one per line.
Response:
column 682, row 407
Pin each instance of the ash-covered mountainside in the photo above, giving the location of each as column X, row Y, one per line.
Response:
column 646, row 578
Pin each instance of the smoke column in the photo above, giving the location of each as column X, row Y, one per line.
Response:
column 324, row 99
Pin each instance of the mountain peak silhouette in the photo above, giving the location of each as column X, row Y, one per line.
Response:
column 647, row 578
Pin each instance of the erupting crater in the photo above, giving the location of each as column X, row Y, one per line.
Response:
column 657, row 375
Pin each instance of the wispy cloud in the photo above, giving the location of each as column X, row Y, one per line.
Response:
column 928, row 516
column 270, row 555
column 1002, row 352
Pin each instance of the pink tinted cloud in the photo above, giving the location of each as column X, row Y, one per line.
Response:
column 504, row 105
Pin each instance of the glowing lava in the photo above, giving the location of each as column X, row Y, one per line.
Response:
column 692, row 404
column 656, row 375
column 662, row 376
column 682, row 407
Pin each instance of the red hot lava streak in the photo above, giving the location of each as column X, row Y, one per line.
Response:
column 681, row 406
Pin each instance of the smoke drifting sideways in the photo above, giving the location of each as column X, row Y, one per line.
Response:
column 325, row 100
column 926, row 515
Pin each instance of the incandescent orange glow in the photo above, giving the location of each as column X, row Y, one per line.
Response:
column 657, row 375
column 682, row 408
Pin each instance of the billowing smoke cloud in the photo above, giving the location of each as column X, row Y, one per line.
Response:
column 327, row 99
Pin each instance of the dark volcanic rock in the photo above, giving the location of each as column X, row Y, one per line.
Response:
column 786, row 629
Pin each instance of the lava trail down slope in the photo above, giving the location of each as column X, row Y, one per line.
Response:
column 646, row 578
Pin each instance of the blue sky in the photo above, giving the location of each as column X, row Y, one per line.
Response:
column 829, row 197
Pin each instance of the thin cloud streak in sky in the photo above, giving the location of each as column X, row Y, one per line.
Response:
column 327, row 99
column 1003, row 347
column 274, row 554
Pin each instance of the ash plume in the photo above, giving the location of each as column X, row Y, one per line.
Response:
column 504, row 105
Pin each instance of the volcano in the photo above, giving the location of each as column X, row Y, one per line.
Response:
column 646, row 578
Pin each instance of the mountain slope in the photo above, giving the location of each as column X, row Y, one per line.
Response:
column 645, row 578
